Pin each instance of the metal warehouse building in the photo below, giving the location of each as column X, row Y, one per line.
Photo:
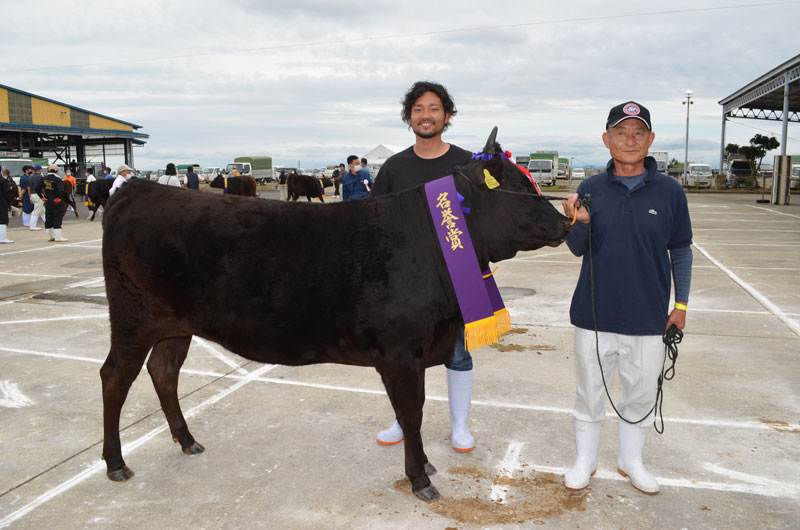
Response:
column 33, row 126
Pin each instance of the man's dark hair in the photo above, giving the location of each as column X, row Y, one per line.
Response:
column 342, row 165
column 419, row 88
column 89, row 171
column 364, row 161
column 351, row 158
column 26, row 168
column 170, row 170
column 107, row 169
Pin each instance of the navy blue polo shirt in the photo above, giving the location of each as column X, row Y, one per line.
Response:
column 632, row 232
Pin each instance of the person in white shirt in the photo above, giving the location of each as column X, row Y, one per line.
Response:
column 170, row 177
column 123, row 174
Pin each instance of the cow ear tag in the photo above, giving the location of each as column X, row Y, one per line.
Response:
column 490, row 181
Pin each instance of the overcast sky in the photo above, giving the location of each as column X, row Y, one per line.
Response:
column 312, row 81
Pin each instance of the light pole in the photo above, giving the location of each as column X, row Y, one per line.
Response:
column 688, row 102
column 571, row 163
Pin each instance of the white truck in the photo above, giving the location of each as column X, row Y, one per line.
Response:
column 543, row 167
column 258, row 167
column 662, row 161
column 700, row 175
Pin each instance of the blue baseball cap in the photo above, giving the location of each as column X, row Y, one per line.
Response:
column 37, row 166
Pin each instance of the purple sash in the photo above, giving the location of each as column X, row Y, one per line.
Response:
column 485, row 316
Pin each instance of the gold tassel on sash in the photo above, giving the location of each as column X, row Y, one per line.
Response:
column 503, row 320
column 480, row 333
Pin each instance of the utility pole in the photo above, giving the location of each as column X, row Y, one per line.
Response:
column 688, row 102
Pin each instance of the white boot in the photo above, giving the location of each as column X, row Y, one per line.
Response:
column 392, row 435
column 51, row 234
column 459, row 392
column 3, row 235
column 629, row 463
column 587, row 441
column 59, row 238
column 34, row 222
column 26, row 219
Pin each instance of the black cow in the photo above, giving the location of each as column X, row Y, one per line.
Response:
column 251, row 284
column 237, row 185
column 97, row 191
column 303, row 185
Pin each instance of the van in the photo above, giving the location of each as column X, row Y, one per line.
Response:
column 739, row 173
column 700, row 175
column 14, row 166
column 794, row 179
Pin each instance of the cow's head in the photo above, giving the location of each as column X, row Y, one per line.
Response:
column 506, row 212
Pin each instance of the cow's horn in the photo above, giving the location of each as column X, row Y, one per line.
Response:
column 489, row 149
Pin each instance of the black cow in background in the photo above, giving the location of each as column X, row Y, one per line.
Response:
column 97, row 191
column 396, row 310
column 244, row 185
column 303, row 185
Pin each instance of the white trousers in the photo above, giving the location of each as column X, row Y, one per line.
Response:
column 639, row 359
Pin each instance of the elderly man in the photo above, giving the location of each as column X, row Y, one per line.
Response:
column 123, row 174
column 639, row 239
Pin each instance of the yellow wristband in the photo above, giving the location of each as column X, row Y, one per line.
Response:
column 680, row 306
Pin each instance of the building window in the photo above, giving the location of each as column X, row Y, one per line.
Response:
column 79, row 119
column 19, row 108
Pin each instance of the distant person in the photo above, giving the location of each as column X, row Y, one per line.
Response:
column 170, row 176
column 73, row 166
column 282, row 178
column 123, row 174
column 192, row 180
column 89, row 179
column 51, row 190
column 36, row 199
column 366, row 167
column 357, row 182
column 337, row 179
column 6, row 200
column 69, row 177
column 636, row 246
column 107, row 173
column 27, row 205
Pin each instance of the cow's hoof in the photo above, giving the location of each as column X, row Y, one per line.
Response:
column 194, row 449
column 120, row 475
column 429, row 469
column 428, row 493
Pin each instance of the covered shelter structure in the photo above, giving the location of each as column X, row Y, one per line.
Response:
column 33, row 126
column 773, row 96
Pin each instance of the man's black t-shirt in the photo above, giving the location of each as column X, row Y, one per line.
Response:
column 406, row 170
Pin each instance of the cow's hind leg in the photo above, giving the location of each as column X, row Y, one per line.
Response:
column 406, row 390
column 164, row 367
column 123, row 364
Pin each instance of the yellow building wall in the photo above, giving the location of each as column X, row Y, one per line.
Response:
column 96, row 122
column 4, row 117
column 48, row 113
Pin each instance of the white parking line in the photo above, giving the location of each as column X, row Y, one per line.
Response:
column 126, row 449
column 505, row 469
column 51, row 319
column 219, row 355
column 763, row 300
column 773, row 211
column 52, row 246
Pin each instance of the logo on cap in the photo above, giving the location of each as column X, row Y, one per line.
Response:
column 631, row 109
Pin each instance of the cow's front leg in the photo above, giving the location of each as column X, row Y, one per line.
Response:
column 406, row 389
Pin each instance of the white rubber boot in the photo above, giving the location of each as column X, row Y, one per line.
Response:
column 629, row 464
column 34, row 222
column 459, row 392
column 59, row 237
column 51, row 234
column 4, row 235
column 26, row 219
column 392, row 435
column 587, row 441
